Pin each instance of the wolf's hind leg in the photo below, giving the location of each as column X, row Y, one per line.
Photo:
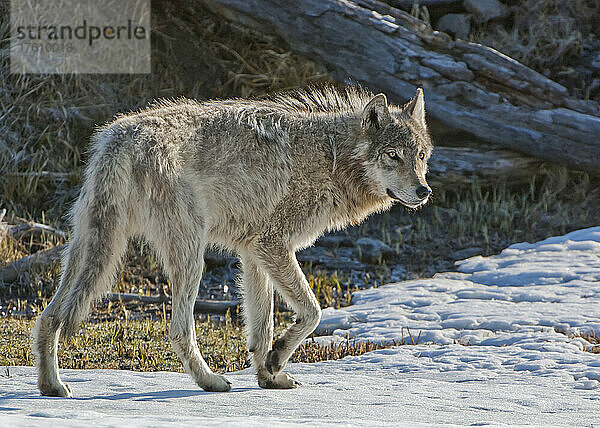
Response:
column 179, row 238
column 257, row 307
column 282, row 267
column 87, row 274
column 47, row 327
column 46, row 333
column 100, row 235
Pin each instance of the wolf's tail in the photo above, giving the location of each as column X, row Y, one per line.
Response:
column 100, row 230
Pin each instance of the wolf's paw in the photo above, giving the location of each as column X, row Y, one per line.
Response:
column 216, row 383
column 279, row 381
column 58, row 389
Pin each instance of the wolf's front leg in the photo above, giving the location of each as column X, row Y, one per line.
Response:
column 257, row 308
column 281, row 266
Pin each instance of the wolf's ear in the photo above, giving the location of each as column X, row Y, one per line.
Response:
column 376, row 113
column 415, row 108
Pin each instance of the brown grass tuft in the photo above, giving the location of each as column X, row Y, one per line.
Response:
column 312, row 352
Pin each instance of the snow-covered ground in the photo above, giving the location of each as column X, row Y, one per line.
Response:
column 497, row 344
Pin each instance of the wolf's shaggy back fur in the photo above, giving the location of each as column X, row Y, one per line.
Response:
column 327, row 99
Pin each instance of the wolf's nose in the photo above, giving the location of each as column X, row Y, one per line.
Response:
column 423, row 192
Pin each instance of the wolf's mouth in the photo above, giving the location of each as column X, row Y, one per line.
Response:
column 406, row 204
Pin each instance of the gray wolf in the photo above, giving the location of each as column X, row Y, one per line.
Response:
column 261, row 178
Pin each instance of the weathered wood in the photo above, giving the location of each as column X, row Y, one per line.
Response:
column 201, row 305
column 37, row 260
column 20, row 230
column 408, row 4
column 461, row 165
column 467, row 86
column 61, row 176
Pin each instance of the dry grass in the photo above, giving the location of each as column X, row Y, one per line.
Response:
column 139, row 345
column 329, row 290
column 548, row 36
column 554, row 201
column 313, row 352
column 142, row 345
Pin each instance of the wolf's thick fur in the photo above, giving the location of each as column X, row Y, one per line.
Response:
column 261, row 178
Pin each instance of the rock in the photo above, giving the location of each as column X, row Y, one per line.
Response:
column 465, row 253
column 486, row 10
column 347, row 252
column 456, row 24
column 398, row 273
column 342, row 259
column 334, row 241
column 373, row 250
column 594, row 87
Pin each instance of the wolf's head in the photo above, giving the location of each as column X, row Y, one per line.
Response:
column 398, row 148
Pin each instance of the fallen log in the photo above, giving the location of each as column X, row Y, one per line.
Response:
column 38, row 260
column 201, row 305
column 461, row 165
column 204, row 306
column 467, row 86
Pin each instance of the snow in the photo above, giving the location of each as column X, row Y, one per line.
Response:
column 496, row 344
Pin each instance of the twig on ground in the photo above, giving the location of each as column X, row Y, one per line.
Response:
column 22, row 229
column 44, row 174
column 3, row 226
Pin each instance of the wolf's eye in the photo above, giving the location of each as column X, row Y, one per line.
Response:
column 393, row 154
column 421, row 155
